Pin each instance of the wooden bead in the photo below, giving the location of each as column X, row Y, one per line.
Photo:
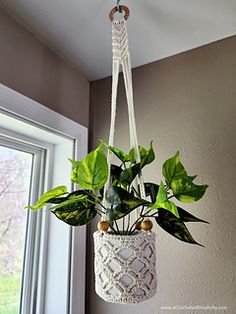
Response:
column 138, row 225
column 103, row 226
column 146, row 225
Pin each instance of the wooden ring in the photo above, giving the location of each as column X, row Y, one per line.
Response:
column 116, row 9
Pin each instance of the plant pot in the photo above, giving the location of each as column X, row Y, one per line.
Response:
column 125, row 266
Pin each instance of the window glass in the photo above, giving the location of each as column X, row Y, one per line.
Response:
column 15, row 182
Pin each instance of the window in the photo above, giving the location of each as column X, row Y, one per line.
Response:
column 54, row 253
column 16, row 175
column 20, row 166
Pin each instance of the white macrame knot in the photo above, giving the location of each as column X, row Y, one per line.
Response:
column 125, row 266
column 120, row 45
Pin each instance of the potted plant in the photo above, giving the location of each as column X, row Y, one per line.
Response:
column 124, row 245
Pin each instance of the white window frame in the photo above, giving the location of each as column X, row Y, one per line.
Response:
column 18, row 105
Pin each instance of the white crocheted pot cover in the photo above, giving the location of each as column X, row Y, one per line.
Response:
column 125, row 266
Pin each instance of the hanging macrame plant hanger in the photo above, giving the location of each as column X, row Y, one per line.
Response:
column 125, row 258
column 124, row 264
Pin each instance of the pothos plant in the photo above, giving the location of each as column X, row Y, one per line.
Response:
column 80, row 207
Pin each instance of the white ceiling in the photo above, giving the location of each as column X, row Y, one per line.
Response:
column 80, row 32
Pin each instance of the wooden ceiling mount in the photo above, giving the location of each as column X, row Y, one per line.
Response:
column 119, row 8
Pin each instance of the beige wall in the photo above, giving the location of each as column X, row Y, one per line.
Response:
column 31, row 68
column 185, row 102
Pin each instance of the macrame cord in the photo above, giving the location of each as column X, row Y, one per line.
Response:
column 125, row 265
column 121, row 56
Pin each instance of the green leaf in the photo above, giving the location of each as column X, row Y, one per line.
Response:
column 174, row 226
column 121, row 203
column 75, row 163
column 147, row 155
column 77, row 210
column 70, row 201
column 115, row 172
column 163, row 202
column 74, row 172
column 132, row 156
column 93, row 170
column 172, row 168
column 45, row 198
column 75, row 217
column 186, row 191
column 151, row 190
column 128, row 175
column 119, row 153
column 187, row 217
column 56, row 200
column 192, row 178
column 181, row 184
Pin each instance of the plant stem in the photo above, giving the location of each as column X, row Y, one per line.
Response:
column 142, row 211
column 136, row 221
column 117, row 227
column 167, row 188
column 110, row 225
column 153, row 215
column 136, row 191
column 100, row 210
column 134, row 224
column 145, row 214
column 128, row 225
column 96, row 196
column 102, row 205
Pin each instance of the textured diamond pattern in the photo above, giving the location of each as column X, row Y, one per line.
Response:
column 125, row 267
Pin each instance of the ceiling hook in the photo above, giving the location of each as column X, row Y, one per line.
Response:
column 119, row 9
